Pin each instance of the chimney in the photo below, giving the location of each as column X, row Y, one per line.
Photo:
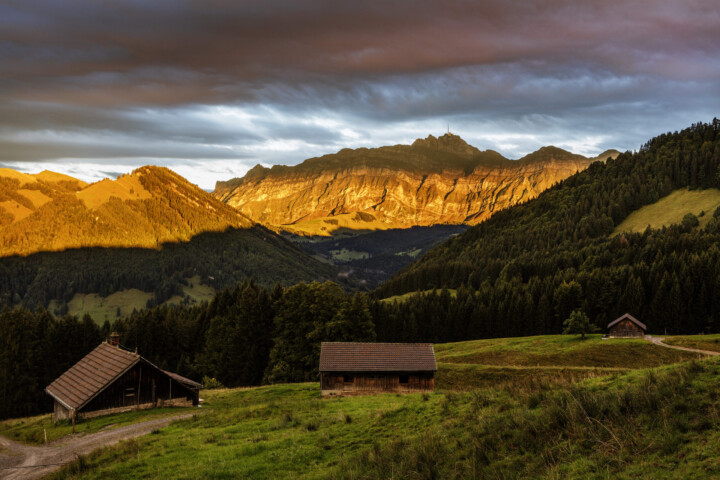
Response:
column 114, row 339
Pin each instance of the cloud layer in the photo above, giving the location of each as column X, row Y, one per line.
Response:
column 212, row 87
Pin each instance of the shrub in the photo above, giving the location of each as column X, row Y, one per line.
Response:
column 211, row 383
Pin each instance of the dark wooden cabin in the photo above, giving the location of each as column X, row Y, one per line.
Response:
column 627, row 326
column 362, row 368
column 111, row 379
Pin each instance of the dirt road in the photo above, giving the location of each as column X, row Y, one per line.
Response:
column 659, row 341
column 18, row 461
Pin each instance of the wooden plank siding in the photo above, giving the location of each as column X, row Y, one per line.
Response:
column 140, row 385
column 374, row 382
column 626, row 329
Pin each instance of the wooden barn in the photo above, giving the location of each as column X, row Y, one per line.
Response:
column 362, row 368
column 111, row 379
column 627, row 326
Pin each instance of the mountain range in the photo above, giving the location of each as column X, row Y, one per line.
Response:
column 149, row 236
column 146, row 208
column 433, row 181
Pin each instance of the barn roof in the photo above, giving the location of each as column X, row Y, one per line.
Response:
column 96, row 371
column 377, row 357
column 629, row 317
column 88, row 377
column 186, row 381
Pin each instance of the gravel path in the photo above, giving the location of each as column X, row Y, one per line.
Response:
column 18, row 461
column 659, row 341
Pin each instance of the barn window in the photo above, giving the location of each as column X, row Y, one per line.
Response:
column 404, row 378
column 348, row 378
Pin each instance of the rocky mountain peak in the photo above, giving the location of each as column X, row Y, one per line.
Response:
column 446, row 143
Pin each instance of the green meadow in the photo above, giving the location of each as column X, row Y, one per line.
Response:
column 671, row 210
column 532, row 407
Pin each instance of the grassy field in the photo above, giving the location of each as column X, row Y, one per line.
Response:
column 345, row 255
column 671, row 209
column 560, row 351
column 125, row 301
column 659, row 423
column 106, row 308
column 701, row 342
column 32, row 430
column 532, row 407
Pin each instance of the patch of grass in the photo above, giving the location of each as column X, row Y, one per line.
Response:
column 560, row 351
column 280, row 431
column 701, row 342
column 671, row 210
column 31, row 430
column 125, row 301
column 623, row 427
column 105, row 308
column 345, row 255
column 459, row 377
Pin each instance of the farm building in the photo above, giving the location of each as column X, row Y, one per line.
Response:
column 627, row 326
column 360, row 368
column 112, row 379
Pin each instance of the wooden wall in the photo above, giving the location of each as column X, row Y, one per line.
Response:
column 374, row 382
column 626, row 328
column 140, row 385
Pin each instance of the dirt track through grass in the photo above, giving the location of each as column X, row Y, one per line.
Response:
column 18, row 461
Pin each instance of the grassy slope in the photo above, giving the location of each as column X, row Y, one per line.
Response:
column 671, row 209
column 32, row 430
column 661, row 423
column 701, row 342
column 520, row 424
column 544, row 360
column 106, row 308
column 560, row 351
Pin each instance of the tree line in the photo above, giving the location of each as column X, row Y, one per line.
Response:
column 247, row 335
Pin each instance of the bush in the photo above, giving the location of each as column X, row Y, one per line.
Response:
column 211, row 383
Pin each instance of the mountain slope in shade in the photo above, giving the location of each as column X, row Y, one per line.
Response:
column 149, row 207
column 433, row 181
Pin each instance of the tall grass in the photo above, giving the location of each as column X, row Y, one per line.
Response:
column 575, row 431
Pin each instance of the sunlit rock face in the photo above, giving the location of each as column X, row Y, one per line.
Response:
column 434, row 181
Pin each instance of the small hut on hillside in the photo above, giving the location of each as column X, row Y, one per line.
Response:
column 627, row 326
column 361, row 368
column 111, row 379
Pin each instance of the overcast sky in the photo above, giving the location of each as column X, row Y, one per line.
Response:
column 212, row 87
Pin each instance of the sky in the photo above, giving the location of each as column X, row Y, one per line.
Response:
column 210, row 88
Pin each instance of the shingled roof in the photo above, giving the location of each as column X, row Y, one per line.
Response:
column 377, row 357
column 185, row 381
column 629, row 317
column 91, row 375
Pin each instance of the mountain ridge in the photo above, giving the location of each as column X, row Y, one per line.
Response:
column 146, row 208
column 436, row 180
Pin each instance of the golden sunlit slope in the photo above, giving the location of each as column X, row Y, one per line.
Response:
column 671, row 210
column 150, row 206
column 433, row 181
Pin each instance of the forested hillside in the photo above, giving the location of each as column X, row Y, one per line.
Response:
column 524, row 270
column 219, row 259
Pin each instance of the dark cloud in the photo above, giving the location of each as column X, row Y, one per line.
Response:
column 276, row 80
